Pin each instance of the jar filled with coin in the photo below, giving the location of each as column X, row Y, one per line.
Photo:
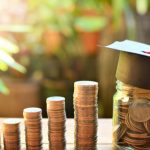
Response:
column 131, row 117
column 131, row 108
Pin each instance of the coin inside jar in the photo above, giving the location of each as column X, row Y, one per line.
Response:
column 147, row 126
column 140, row 110
column 133, row 116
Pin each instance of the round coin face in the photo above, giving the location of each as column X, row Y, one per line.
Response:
column 11, row 121
column 55, row 98
column 32, row 110
column 85, row 83
column 140, row 110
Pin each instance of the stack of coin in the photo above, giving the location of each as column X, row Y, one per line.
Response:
column 33, row 128
column 86, row 114
column 11, row 134
column 122, row 109
column 56, row 122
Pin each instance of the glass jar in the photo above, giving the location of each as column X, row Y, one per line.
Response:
column 131, row 117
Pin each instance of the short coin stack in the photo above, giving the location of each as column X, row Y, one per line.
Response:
column 56, row 122
column 123, row 110
column 86, row 114
column 11, row 134
column 33, row 128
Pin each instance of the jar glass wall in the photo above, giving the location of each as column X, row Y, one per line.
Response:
column 131, row 117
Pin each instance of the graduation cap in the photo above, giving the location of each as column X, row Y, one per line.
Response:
column 134, row 63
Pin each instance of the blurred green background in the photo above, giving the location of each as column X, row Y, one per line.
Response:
column 46, row 45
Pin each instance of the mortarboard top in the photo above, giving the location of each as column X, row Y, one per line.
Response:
column 134, row 63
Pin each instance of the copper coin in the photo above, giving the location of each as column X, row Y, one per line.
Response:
column 140, row 110
column 147, row 126
column 138, row 135
column 32, row 112
column 135, row 142
column 133, row 125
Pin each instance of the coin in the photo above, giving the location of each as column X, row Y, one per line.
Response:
column 140, row 110
column 11, row 134
column 56, row 122
column 86, row 114
column 134, row 118
column 147, row 126
column 33, row 128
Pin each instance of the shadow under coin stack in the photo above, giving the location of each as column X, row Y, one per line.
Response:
column 33, row 128
column 56, row 122
column 11, row 134
column 86, row 114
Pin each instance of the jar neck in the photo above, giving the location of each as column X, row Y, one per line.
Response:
column 132, row 91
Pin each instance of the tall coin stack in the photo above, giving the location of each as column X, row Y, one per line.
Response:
column 33, row 128
column 86, row 114
column 56, row 122
column 11, row 134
